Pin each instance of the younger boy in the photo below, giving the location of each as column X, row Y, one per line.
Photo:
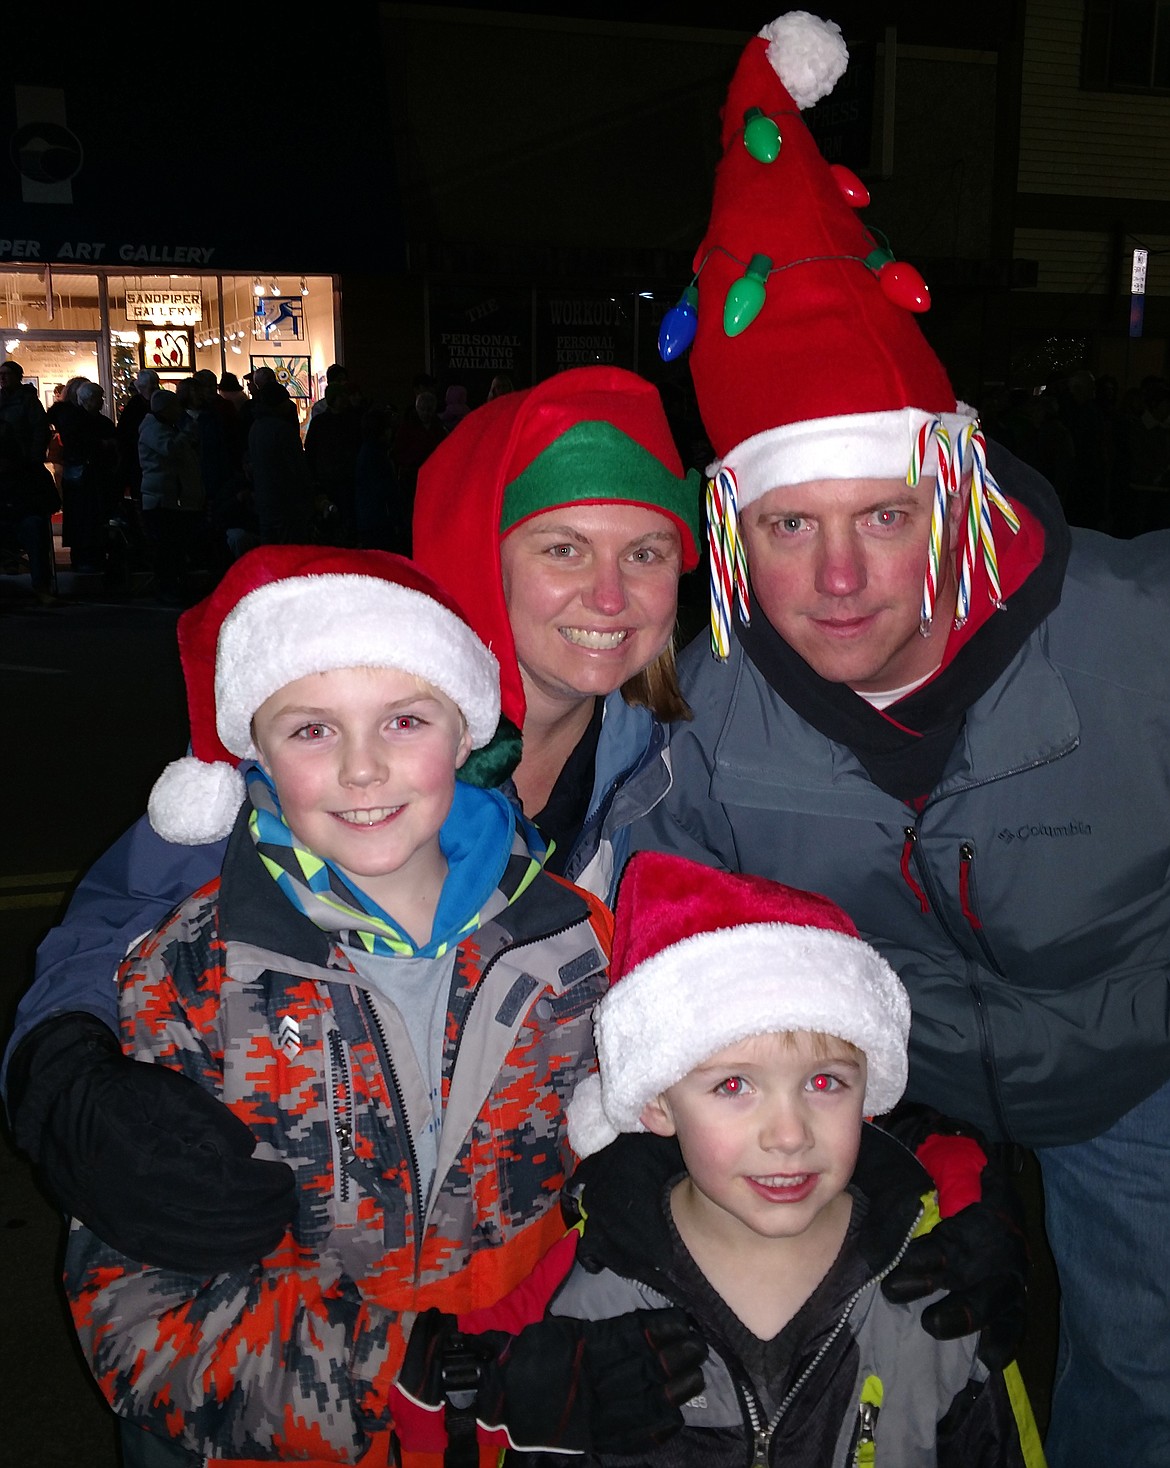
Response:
column 389, row 994
column 729, row 1169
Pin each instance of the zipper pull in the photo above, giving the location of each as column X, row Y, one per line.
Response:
column 908, row 845
column 867, row 1410
column 345, row 1139
column 760, row 1456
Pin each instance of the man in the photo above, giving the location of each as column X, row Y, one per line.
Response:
column 28, row 497
column 956, row 728
column 130, row 416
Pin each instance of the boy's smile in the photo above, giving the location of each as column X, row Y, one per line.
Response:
column 769, row 1130
column 364, row 761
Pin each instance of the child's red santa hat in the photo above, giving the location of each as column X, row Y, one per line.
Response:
column 282, row 612
column 808, row 362
column 703, row 959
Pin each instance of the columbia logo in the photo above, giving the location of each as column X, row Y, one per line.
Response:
column 288, row 1037
column 1044, row 828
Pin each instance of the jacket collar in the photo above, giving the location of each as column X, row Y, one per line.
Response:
column 618, row 1193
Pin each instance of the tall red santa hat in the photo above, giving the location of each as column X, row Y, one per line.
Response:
column 281, row 612
column 703, row 959
column 808, row 362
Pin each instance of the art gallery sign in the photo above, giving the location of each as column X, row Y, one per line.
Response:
column 181, row 308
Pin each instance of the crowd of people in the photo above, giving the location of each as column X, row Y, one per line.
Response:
column 183, row 479
column 542, row 1045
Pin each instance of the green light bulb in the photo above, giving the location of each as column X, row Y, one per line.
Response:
column 761, row 136
column 746, row 297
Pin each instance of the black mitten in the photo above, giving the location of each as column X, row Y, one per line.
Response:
column 153, row 1164
column 978, row 1251
column 579, row 1385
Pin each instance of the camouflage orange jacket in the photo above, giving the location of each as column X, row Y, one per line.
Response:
column 295, row 1358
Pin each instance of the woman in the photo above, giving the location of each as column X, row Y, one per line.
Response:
column 562, row 519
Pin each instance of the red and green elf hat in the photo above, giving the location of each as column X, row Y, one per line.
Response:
column 591, row 435
column 808, row 362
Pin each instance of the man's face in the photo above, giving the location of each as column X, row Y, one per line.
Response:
column 8, row 379
column 837, row 567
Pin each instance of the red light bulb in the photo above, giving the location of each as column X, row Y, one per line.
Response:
column 853, row 191
column 904, row 286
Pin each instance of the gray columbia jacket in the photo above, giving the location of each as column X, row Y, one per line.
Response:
column 1024, row 902
column 851, row 1379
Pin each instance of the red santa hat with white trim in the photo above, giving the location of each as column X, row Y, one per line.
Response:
column 281, row 612
column 808, row 362
column 703, row 959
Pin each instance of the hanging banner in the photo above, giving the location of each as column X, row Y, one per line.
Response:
column 581, row 329
column 477, row 333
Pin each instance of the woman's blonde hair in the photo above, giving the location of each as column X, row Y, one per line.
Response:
column 656, row 688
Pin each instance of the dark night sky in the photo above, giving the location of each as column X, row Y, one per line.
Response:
column 982, row 27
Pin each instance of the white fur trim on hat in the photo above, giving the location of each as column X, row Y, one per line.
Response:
column 848, row 446
column 807, row 53
column 313, row 624
column 693, row 998
column 193, row 802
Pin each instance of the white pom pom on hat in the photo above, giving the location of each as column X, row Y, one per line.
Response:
column 703, row 959
column 282, row 612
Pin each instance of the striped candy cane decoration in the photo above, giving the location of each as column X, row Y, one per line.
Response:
column 728, row 566
column 980, row 531
column 937, row 519
column 720, row 574
column 990, row 494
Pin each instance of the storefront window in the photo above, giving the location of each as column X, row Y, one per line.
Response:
column 107, row 325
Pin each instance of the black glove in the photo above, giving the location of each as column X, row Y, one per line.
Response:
column 575, row 1385
column 979, row 1253
column 153, row 1164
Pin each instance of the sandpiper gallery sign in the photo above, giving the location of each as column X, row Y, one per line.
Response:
column 184, row 308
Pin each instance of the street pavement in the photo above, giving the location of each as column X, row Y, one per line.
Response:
column 93, row 709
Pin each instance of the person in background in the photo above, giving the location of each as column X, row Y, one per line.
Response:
column 499, row 385
column 130, row 415
column 380, row 520
column 418, row 434
column 335, row 373
column 936, row 706
column 220, row 442
column 231, row 391
column 278, row 475
column 332, row 443
column 455, row 407
column 89, row 474
column 28, row 492
column 172, row 494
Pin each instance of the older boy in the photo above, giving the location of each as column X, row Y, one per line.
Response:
column 749, row 1031
column 390, row 996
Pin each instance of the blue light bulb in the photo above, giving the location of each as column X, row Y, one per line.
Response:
column 679, row 325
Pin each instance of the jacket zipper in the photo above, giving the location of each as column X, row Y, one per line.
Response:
column 342, row 1109
column 930, row 896
column 966, row 882
column 762, row 1435
column 369, row 1009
